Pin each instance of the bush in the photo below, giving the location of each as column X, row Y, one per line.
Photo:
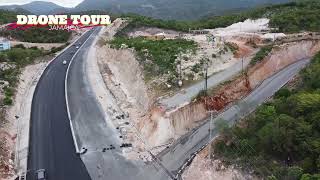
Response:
column 37, row 35
column 284, row 92
column 18, row 57
column 8, row 91
column 7, row 101
column 162, row 53
column 261, row 54
column 21, row 46
column 232, row 46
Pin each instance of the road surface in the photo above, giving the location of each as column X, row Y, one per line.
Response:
column 183, row 149
column 186, row 95
column 95, row 131
column 51, row 144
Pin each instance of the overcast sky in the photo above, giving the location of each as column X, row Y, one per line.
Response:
column 65, row 3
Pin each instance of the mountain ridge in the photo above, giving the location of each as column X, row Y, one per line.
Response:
column 161, row 9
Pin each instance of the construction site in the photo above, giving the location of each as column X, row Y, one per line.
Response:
column 159, row 118
column 153, row 113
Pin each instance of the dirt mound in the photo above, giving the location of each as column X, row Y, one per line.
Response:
column 230, row 93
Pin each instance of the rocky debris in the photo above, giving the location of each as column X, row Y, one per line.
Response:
column 5, row 66
column 6, row 155
column 204, row 168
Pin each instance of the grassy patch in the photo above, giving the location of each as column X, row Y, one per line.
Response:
column 16, row 58
column 262, row 53
column 157, row 57
column 232, row 46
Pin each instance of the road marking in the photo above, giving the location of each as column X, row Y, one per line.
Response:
column 66, row 93
column 37, row 80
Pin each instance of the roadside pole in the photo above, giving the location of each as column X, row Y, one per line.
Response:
column 210, row 136
column 242, row 65
column 210, row 133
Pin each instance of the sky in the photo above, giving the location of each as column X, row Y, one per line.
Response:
column 64, row 3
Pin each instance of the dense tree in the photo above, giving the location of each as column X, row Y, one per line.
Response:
column 288, row 17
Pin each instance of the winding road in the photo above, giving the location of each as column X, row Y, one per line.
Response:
column 184, row 149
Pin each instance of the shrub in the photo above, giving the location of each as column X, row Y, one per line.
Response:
column 162, row 53
column 261, row 54
column 7, row 101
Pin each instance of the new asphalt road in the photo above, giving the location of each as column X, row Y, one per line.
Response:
column 94, row 130
column 51, row 144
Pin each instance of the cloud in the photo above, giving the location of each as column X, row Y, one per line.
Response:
column 64, row 3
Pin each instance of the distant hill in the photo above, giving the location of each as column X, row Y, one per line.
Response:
column 163, row 9
column 177, row 9
column 36, row 7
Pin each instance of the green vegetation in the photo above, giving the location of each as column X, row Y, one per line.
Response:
column 185, row 26
column 262, row 53
column 295, row 17
column 232, row 46
column 16, row 59
column 281, row 140
column 33, row 34
column 38, row 35
column 7, row 16
column 157, row 57
column 289, row 17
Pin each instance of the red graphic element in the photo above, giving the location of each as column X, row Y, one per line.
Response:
column 69, row 24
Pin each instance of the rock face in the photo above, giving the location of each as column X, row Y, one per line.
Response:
column 202, row 168
column 171, row 125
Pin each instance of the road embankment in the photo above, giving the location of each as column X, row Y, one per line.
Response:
column 183, row 119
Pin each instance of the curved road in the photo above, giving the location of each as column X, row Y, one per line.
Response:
column 51, row 144
column 184, row 149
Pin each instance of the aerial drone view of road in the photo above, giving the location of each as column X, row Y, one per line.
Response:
column 96, row 90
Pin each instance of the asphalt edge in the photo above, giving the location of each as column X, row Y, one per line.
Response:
column 17, row 159
column 66, row 95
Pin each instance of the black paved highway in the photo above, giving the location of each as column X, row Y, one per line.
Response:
column 51, row 145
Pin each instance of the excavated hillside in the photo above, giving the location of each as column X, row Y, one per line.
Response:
column 165, row 126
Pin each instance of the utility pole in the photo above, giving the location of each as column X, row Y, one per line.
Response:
column 210, row 132
column 179, row 58
column 180, row 70
column 242, row 65
column 210, row 137
column 206, row 79
column 205, row 61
